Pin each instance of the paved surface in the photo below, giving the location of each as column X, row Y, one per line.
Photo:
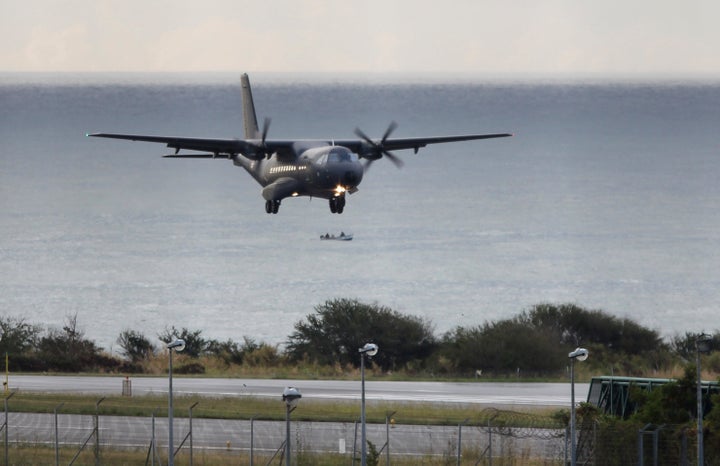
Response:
column 491, row 393
column 268, row 436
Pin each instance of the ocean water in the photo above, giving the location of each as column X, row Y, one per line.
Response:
column 607, row 196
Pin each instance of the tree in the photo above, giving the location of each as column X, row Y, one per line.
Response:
column 19, row 339
column 135, row 346
column 339, row 327
column 577, row 326
column 17, row 336
column 248, row 352
column 505, row 346
column 685, row 346
column 69, row 351
column 672, row 403
column 195, row 344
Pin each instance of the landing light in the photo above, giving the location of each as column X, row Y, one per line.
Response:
column 295, row 194
column 340, row 190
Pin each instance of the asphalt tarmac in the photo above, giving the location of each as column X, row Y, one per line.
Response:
column 265, row 437
column 489, row 393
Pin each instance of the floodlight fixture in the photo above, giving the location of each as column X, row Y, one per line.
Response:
column 369, row 349
column 580, row 354
column 178, row 345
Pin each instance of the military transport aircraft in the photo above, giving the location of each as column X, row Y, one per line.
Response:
column 324, row 168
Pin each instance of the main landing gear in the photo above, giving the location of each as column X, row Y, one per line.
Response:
column 272, row 206
column 337, row 204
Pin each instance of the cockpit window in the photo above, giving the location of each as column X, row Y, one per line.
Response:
column 338, row 155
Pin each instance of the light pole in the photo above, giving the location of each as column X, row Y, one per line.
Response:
column 291, row 395
column 370, row 350
column 702, row 345
column 579, row 354
column 177, row 345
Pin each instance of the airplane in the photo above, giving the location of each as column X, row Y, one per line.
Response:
column 323, row 168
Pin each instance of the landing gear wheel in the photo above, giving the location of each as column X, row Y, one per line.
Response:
column 272, row 206
column 337, row 204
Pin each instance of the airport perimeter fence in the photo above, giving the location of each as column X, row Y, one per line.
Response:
column 609, row 443
column 91, row 438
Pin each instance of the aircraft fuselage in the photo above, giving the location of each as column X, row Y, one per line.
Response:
column 324, row 168
column 327, row 172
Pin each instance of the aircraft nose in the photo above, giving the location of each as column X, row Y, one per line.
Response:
column 351, row 178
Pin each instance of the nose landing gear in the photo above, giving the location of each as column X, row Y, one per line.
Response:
column 337, row 204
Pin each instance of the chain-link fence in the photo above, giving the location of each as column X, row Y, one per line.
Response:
column 496, row 440
column 614, row 443
column 263, row 442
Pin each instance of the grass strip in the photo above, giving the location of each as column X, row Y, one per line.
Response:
column 265, row 408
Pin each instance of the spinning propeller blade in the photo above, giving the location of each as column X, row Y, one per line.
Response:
column 378, row 148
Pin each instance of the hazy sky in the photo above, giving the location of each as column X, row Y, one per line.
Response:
column 472, row 36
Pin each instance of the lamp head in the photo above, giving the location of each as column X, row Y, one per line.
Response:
column 291, row 395
column 177, row 345
column 704, row 343
column 580, row 354
column 370, row 349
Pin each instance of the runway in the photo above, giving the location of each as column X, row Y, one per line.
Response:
column 265, row 437
column 489, row 393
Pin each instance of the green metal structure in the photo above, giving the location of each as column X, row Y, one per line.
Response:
column 612, row 394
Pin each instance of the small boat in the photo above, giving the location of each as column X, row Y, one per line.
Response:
column 340, row 237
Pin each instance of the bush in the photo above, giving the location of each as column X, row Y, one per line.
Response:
column 231, row 352
column 190, row 368
column 537, row 342
column 263, row 355
column 504, row 347
column 135, row 346
column 577, row 327
column 195, row 345
column 17, row 336
column 339, row 327
column 69, row 351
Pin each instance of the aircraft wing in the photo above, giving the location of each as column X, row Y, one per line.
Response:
column 360, row 146
column 248, row 147
column 258, row 148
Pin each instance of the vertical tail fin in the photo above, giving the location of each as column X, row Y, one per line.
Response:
column 248, row 106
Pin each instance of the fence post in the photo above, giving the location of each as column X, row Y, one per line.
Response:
column 6, row 426
column 683, row 448
column 354, row 444
column 191, row 431
column 459, row 445
column 152, row 440
column 252, row 440
column 57, row 441
column 7, row 461
column 97, row 431
column 490, row 443
column 656, row 443
column 641, row 449
column 388, row 417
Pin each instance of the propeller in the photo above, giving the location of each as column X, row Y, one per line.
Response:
column 378, row 149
